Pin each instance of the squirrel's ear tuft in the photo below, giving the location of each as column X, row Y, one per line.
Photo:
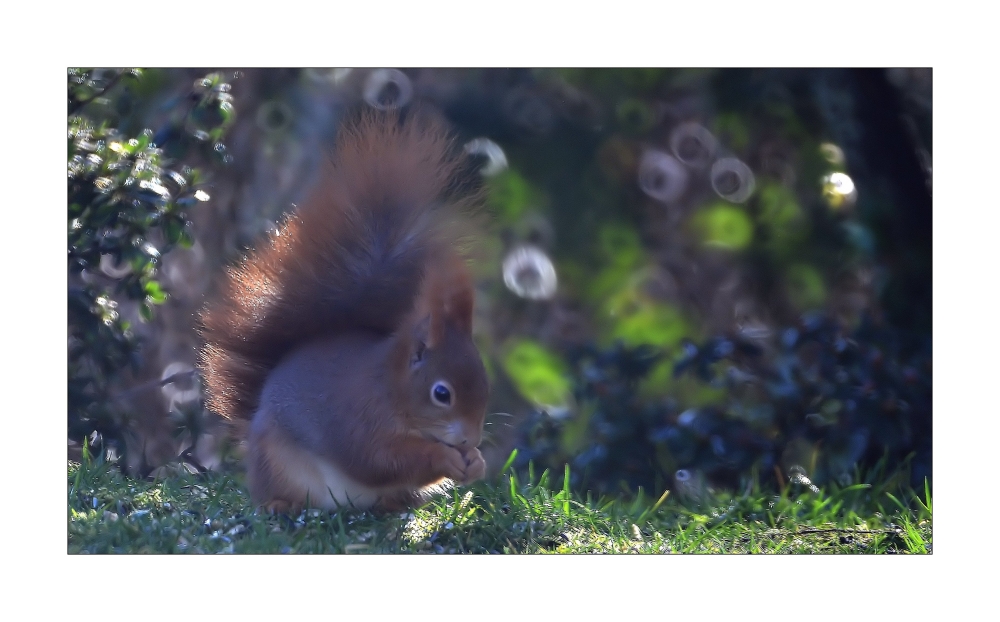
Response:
column 418, row 341
column 459, row 304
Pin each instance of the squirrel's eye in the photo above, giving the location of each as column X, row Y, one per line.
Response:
column 441, row 393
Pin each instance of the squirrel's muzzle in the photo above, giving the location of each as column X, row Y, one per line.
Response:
column 463, row 435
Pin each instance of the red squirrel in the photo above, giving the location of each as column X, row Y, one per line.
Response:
column 345, row 339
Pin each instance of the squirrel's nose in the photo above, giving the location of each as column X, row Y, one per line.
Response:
column 463, row 436
column 471, row 438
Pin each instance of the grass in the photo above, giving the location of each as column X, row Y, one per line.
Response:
column 192, row 513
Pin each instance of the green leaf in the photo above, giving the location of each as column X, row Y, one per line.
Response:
column 226, row 110
column 637, row 321
column 635, row 116
column 511, row 195
column 805, row 286
column 174, row 230
column 620, row 246
column 154, row 293
column 185, row 241
column 723, row 226
column 538, row 374
column 144, row 140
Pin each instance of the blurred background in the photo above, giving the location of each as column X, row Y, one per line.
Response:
column 692, row 279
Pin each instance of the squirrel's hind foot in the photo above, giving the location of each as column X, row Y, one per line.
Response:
column 278, row 506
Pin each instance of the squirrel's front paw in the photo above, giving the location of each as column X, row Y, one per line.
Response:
column 450, row 462
column 475, row 466
column 460, row 467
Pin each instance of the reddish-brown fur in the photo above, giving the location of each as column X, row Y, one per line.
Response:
column 331, row 335
column 352, row 257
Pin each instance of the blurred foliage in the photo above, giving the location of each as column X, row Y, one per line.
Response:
column 537, row 373
column 653, row 274
column 821, row 400
column 128, row 205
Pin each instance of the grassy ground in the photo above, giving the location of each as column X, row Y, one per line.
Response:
column 190, row 513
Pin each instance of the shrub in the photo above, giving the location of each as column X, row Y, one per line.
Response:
column 128, row 206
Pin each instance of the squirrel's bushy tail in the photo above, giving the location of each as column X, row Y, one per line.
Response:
column 352, row 257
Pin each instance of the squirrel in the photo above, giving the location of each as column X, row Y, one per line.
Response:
column 343, row 343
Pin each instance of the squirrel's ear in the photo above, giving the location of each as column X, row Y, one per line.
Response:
column 453, row 302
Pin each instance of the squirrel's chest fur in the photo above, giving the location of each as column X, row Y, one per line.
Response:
column 288, row 473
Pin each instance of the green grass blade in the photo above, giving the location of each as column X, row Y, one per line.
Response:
column 510, row 461
column 565, row 489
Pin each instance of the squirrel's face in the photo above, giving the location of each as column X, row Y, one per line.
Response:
column 447, row 389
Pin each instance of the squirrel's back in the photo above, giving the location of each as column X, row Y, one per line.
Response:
column 354, row 256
